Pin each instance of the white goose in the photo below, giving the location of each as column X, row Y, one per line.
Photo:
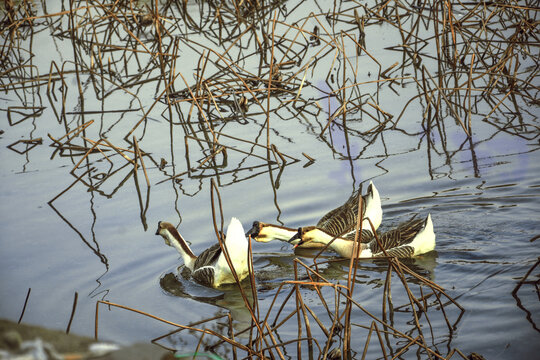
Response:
column 339, row 221
column 412, row 238
column 210, row 268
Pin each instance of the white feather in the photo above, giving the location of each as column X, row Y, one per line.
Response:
column 373, row 210
column 237, row 248
column 424, row 241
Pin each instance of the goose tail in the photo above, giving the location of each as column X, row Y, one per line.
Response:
column 236, row 241
column 424, row 241
column 235, row 232
column 372, row 208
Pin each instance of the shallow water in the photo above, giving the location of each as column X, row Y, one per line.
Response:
column 483, row 197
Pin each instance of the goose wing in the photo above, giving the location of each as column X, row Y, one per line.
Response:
column 366, row 236
column 403, row 251
column 204, row 275
column 208, row 257
column 402, row 235
column 341, row 219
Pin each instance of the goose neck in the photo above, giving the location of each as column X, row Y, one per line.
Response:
column 276, row 232
column 178, row 242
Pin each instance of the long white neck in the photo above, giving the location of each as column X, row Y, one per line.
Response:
column 174, row 238
column 271, row 232
column 343, row 247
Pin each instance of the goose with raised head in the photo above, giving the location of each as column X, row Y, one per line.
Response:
column 339, row 221
column 411, row 238
column 210, row 268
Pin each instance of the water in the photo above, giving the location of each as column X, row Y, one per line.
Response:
column 92, row 239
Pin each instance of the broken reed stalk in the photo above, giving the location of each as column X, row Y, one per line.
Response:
column 353, row 267
column 76, row 297
column 524, row 278
column 140, row 158
column 196, row 323
column 299, row 323
column 90, row 169
column 24, row 306
column 270, row 76
column 183, row 327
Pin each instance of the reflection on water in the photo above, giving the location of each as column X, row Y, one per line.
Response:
column 121, row 115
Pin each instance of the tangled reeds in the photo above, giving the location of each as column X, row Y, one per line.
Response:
column 218, row 83
column 323, row 333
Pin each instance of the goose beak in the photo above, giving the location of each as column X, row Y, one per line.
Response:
column 296, row 238
column 158, row 228
column 254, row 231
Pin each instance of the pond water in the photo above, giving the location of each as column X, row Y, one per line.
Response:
column 91, row 231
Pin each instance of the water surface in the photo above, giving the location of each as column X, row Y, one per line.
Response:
column 97, row 238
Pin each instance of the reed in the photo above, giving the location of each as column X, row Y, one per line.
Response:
column 258, row 66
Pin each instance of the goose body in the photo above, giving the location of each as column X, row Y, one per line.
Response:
column 339, row 221
column 210, row 268
column 409, row 239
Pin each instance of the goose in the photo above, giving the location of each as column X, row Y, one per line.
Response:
column 411, row 238
column 210, row 268
column 339, row 221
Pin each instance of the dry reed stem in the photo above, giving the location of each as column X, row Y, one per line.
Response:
column 183, row 327
column 139, row 157
column 75, row 298
column 24, row 306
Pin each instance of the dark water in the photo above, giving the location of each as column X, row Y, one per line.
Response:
column 483, row 196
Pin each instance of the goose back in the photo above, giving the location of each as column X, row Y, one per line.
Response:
column 365, row 236
column 410, row 238
column 207, row 257
column 402, row 235
column 342, row 219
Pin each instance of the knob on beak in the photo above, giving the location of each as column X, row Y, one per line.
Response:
column 158, row 227
column 296, row 237
column 254, row 231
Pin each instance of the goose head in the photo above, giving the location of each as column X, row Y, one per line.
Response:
column 255, row 229
column 173, row 238
column 309, row 234
column 164, row 229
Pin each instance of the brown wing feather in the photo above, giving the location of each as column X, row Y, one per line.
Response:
column 341, row 219
column 366, row 236
column 402, row 235
column 404, row 251
column 208, row 257
column 204, row 275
